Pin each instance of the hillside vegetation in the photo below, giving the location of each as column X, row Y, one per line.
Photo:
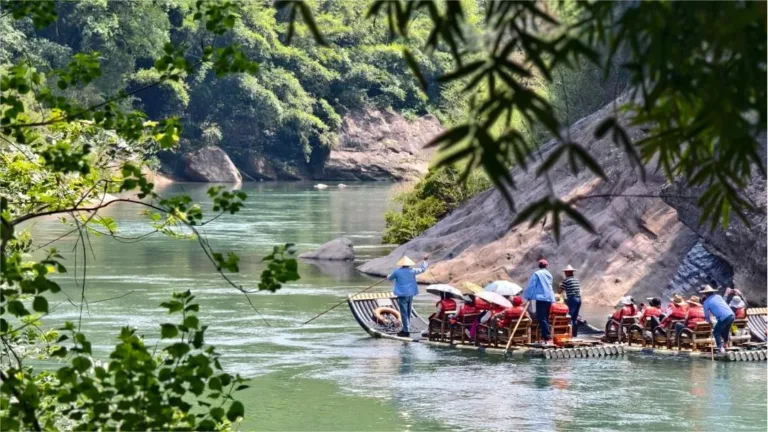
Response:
column 290, row 110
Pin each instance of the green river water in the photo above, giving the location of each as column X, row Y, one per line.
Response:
column 330, row 375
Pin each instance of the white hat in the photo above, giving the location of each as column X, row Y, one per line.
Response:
column 707, row 289
column 626, row 300
column 569, row 268
column 737, row 303
column 405, row 262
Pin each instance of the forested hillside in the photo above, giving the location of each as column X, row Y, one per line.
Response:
column 291, row 110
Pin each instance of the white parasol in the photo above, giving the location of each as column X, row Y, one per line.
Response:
column 438, row 289
column 495, row 298
column 504, row 287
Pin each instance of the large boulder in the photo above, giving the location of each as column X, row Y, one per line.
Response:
column 210, row 164
column 339, row 249
column 380, row 145
column 637, row 248
column 742, row 246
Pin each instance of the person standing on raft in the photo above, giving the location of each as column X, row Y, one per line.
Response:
column 406, row 287
column 572, row 289
column 539, row 289
column 714, row 305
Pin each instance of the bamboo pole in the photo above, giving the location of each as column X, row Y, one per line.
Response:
column 525, row 314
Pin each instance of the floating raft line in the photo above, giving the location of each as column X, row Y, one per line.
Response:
column 363, row 305
column 531, row 352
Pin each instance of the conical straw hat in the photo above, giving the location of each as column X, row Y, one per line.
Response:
column 405, row 262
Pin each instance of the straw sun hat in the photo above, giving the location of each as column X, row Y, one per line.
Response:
column 405, row 262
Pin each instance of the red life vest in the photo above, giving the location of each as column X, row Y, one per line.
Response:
column 627, row 310
column 447, row 305
column 695, row 315
column 558, row 309
column 510, row 314
column 648, row 312
column 482, row 305
column 466, row 309
column 675, row 314
column 740, row 313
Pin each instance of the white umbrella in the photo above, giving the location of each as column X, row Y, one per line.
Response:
column 438, row 289
column 495, row 298
column 504, row 287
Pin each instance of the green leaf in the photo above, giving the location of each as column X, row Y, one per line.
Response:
column 40, row 304
column 168, row 331
column 235, row 411
column 604, row 126
column 17, row 308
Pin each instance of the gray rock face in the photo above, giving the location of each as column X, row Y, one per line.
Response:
column 698, row 268
column 638, row 245
column 339, row 249
column 380, row 145
column 210, row 164
column 743, row 247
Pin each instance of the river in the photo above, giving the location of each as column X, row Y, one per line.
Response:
column 330, row 375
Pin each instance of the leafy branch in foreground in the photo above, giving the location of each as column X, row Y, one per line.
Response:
column 696, row 82
column 65, row 159
column 184, row 387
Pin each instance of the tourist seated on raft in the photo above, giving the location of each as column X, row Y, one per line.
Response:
column 695, row 315
column 504, row 318
column 627, row 309
column 736, row 303
column 444, row 305
column 676, row 311
column 651, row 313
column 486, row 310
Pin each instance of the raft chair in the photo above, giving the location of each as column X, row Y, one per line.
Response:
column 618, row 331
column 521, row 336
column 697, row 337
column 740, row 332
column 440, row 329
column 458, row 330
column 490, row 331
column 664, row 336
column 560, row 326
column 636, row 334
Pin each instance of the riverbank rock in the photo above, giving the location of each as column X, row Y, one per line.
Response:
column 340, row 249
column 742, row 246
column 380, row 145
column 210, row 164
column 638, row 245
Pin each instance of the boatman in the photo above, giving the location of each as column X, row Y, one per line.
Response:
column 539, row 289
column 715, row 306
column 570, row 286
column 406, row 287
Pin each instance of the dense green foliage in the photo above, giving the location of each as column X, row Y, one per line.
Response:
column 64, row 148
column 290, row 109
column 431, row 199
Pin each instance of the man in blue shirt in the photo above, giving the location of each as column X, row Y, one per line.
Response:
column 406, row 287
column 539, row 289
column 714, row 305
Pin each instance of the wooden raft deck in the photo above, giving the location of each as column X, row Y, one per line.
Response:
column 363, row 305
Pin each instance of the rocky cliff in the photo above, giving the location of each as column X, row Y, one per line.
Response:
column 639, row 245
column 380, row 145
column 373, row 145
column 742, row 246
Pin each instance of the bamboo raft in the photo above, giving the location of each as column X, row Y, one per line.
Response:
column 363, row 306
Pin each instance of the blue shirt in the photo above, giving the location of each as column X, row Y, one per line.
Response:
column 540, row 287
column 715, row 305
column 405, row 280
